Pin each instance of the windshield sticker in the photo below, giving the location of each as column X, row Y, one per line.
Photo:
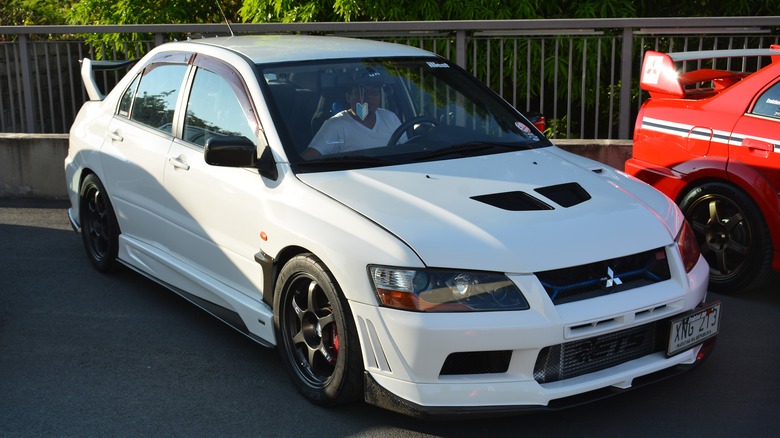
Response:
column 362, row 110
column 527, row 131
column 432, row 64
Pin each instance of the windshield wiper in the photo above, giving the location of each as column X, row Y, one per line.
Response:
column 465, row 149
column 349, row 161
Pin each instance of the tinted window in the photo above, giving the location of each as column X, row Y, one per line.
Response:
column 127, row 99
column 155, row 100
column 214, row 109
column 768, row 104
column 340, row 114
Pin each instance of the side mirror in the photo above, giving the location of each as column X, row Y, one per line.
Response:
column 267, row 166
column 230, row 152
column 239, row 152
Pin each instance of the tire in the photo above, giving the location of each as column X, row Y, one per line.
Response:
column 316, row 334
column 732, row 234
column 99, row 228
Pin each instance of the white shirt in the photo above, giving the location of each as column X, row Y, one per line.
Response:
column 342, row 133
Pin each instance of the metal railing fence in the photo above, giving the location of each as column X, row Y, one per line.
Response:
column 581, row 74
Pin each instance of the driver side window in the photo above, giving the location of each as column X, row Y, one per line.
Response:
column 155, row 100
column 214, row 109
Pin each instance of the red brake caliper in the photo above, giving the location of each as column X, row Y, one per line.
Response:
column 335, row 340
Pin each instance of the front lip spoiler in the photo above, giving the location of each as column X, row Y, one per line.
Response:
column 377, row 395
column 73, row 223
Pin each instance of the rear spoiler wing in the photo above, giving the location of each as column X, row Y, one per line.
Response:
column 88, row 68
column 660, row 78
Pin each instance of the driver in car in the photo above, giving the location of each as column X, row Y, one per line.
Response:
column 363, row 125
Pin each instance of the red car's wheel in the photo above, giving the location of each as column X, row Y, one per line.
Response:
column 732, row 234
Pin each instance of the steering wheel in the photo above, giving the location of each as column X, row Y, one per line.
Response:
column 419, row 120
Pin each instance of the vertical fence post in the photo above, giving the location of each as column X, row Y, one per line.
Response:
column 158, row 39
column 624, row 122
column 27, row 89
column 460, row 48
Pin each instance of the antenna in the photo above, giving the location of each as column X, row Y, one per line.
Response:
column 225, row 17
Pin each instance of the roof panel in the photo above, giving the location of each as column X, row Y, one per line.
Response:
column 282, row 48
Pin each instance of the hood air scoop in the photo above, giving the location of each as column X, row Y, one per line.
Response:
column 565, row 195
column 513, row 201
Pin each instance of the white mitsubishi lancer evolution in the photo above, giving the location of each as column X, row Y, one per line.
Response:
column 399, row 232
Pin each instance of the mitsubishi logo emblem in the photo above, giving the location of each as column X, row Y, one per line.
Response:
column 611, row 279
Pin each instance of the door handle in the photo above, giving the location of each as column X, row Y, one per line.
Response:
column 758, row 145
column 178, row 163
column 758, row 148
column 114, row 135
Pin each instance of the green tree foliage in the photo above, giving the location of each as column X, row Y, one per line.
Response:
column 259, row 11
column 149, row 11
column 94, row 12
column 30, row 12
column 708, row 8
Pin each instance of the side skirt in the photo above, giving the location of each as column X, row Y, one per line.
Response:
column 229, row 317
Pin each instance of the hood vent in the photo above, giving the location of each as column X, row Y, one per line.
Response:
column 566, row 195
column 513, row 201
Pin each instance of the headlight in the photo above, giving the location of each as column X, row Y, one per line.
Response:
column 439, row 290
column 689, row 248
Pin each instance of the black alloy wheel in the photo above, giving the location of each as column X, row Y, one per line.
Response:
column 732, row 235
column 316, row 335
column 99, row 227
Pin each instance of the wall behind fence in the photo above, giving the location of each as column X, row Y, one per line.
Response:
column 581, row 74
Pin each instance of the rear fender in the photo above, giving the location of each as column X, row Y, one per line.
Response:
column 676, row 180
column 764, row 194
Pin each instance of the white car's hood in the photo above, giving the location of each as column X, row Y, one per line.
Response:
column 430, row 206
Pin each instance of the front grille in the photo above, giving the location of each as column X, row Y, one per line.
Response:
column 605, row 277
column 477, row 362
column 576, row 358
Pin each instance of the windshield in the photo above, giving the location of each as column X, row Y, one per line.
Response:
column 335, row 115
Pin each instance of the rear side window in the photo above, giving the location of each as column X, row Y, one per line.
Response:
column 127, row 99
column 768, row 104
column 156, row 95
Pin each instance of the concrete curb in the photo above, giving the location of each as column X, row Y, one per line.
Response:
column 31, row 165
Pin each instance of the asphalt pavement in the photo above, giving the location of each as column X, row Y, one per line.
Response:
column 88, row 354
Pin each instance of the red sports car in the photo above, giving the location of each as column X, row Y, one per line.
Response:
column 710, row 139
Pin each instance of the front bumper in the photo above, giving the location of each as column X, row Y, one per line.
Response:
column 406, row 353
column 377, row 395
column 73, row 222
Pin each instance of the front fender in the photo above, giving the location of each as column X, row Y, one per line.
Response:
column 301, row 217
